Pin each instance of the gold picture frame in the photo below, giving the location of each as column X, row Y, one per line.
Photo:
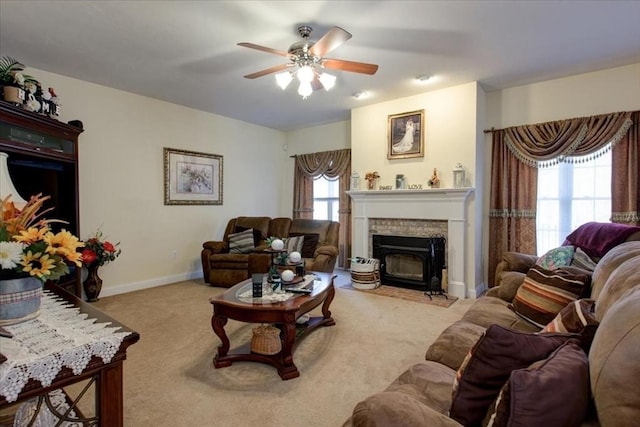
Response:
column 405, row 137
column 192, row 178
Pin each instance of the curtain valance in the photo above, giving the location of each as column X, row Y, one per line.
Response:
column 545, row 144
column 331, row 164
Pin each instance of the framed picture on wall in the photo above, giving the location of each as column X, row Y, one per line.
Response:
column 192, row 178
column 405, row 135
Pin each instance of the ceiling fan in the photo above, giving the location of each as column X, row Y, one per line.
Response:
column 306, row 57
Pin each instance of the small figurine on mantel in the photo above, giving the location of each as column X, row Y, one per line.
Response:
column 434, row 181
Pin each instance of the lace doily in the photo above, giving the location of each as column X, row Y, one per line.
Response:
column 45, row 418
column 60, row 337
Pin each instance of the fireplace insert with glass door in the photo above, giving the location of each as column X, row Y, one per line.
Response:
column 411, row 262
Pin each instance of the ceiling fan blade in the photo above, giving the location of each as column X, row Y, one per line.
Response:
column 331, row 40
column 354, row 67
column 264, row 49
column 267, row 71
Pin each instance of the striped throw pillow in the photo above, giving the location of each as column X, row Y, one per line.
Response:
column 544, row 293
column 241, row 243
column 579, row 317
column 294, row 244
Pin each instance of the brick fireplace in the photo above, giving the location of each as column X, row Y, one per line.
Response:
column 421, row 213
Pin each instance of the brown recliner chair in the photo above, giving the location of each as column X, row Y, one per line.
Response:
column 221, row 268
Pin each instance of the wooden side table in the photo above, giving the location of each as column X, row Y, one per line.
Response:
column 108, row 377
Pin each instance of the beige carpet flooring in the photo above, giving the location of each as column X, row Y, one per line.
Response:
column 170, row 380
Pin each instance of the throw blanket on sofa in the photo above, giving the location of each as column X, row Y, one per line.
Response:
column 597, row 238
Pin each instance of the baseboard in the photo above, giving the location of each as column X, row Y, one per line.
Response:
column 152, row 283
column 456, row 289
column 480, row 288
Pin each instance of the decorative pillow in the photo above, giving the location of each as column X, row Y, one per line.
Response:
column 294, row 244
column 257, row 234
column 552, row 392
column 582, row 260
column 558, row 257
column 241, row 243
column 544, row 293
column 488, row 365
column 309, row 244
column 579, row 317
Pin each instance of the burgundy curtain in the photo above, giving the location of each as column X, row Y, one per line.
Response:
column 625, row 180
column 513, row 199
column 519, row 150
column 331, row 164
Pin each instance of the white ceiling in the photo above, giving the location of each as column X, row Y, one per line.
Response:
column 186, row 52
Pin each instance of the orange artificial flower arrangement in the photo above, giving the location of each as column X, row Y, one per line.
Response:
column 28, row 246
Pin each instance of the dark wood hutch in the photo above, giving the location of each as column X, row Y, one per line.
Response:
column 43, row 158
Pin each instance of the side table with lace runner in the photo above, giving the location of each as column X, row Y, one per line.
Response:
column 55, row 362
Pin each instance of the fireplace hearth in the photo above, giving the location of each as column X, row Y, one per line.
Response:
column 411, row 262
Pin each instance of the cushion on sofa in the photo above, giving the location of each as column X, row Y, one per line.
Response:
column 511, row 282
column 454, row 343
column 544, row 293
column 551, row 392
column 597, row 238
column 242, row 242
column 429, row 382
column 488, row 366
column 309, row 244
column 582, row 260
column 613, row 363
column 293, row 244
column 556, row 257
column 623, row 278
column 255, row 222
column 579, row 317
column 609, row 263
column 257, row 234
column 487, row 311
column 395, row 408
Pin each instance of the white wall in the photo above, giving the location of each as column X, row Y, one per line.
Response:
column 599, row 92
column 451, row 135
column 122, row 180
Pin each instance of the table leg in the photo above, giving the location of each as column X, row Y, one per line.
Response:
column 288, row 369
column 326, row 313
column 217, row 323
column 110, row 396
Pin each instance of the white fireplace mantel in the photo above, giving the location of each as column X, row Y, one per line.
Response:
column 447, row 204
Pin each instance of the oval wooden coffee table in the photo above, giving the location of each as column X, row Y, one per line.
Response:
column 284, row 314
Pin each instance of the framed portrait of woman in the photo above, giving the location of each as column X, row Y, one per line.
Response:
column 405, row 135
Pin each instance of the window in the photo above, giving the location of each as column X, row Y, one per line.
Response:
column 570, row 194
column 326, row 198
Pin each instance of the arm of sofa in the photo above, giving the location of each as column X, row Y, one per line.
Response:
column 216, row 247
column 513, row 261
column 324, row 259
column 209, row 248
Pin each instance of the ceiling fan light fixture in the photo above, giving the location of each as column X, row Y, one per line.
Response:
column 305, row 74
column 423, row 78
column 328, row 80
column 305, row 89
column 283, row 79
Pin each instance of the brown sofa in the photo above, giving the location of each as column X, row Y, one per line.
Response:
column 221, row 268
column 422, row 395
